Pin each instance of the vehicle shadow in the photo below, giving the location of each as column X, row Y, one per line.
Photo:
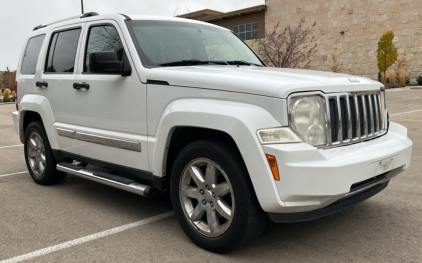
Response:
column 362, row 232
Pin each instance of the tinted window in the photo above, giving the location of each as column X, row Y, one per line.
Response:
column 62, row 51
column 31, row 55
column 104, row 38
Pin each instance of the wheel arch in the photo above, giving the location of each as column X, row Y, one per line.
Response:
column 181, row 136
column 37, row 108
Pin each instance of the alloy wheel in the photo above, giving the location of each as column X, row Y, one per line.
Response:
column 206, row 196
column 36, row 154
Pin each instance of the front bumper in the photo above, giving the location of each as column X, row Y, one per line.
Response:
column 311, row 178
column 328, row 210
column 15, row 116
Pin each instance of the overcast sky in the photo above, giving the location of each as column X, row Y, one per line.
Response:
column 19, row 17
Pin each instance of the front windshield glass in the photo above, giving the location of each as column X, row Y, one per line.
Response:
column 161, row 42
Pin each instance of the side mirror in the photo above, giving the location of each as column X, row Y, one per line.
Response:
column 107, row 62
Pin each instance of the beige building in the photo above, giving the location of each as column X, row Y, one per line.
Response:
column 362, row 22
column 346, row 29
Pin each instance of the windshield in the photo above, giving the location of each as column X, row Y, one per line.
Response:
column 159, row 43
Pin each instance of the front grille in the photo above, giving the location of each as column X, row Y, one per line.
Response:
column 354, row 117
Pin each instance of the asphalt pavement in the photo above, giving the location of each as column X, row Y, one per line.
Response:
column 82, row 221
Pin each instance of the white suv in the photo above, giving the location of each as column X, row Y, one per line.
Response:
column 186, row 107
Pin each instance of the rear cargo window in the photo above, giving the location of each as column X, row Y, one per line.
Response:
column 62, row 51
column 32, row 52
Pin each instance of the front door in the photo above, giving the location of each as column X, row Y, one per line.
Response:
column 111, row 113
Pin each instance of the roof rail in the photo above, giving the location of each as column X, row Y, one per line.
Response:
column 89, row 14
column 65, row 19
column 38, row 27
column 125, row 16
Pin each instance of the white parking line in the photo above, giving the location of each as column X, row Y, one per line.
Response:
column 85, row 239
column 10, row 146
column 403, row 99
column 405, row 112
column 4, row 175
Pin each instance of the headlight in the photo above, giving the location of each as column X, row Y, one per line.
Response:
column 277, row 135
column 308, row 119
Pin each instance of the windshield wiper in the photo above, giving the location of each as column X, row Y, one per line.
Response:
column 192, row 62
column 242, row 62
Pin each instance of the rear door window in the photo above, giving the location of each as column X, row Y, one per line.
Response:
column 32, row 52
column 62, row 51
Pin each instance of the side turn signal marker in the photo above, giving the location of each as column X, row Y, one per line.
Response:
column 273, row 165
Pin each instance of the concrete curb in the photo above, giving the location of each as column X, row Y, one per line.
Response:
column 397, row 89
column 418, row 87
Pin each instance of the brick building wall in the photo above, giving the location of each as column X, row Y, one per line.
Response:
column 362, row 21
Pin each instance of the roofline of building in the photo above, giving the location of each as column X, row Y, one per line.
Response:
column 239, row 12
column 201, row 12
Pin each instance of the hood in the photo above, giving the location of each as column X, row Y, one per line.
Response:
column 264, row 81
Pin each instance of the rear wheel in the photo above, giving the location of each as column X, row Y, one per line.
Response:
column 213, row 197
column 39, row 157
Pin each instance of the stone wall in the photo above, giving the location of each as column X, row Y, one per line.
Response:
column 362, row 21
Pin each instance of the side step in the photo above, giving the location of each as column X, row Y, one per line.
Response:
column 108, row 179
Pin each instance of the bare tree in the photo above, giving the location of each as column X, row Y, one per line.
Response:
column 288, row 48
column 336, row 67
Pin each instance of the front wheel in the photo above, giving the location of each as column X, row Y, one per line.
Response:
column 213, row 197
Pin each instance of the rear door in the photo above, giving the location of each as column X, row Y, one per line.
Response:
column 56, row 82
column 111, row 114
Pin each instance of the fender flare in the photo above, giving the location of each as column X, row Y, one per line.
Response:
column 40, row 105
column 239, row 120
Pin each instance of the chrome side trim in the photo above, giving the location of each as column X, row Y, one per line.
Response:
column 117, row 143
column 112, row 142
column 66, row 133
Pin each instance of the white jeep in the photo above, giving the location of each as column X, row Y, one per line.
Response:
column 185, row 107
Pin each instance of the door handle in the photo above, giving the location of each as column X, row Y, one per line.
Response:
column 80, row 86
column 41, row 84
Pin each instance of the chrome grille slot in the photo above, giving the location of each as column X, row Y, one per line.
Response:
column 353, row 116
column 334, row 119
column 344, row 120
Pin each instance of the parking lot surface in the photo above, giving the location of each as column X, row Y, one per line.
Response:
column 82, row 221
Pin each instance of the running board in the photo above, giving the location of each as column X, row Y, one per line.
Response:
column 107, row 179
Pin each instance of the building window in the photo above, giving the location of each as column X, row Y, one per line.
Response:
column 247, row 31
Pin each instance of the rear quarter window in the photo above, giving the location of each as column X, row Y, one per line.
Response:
column 30, row 57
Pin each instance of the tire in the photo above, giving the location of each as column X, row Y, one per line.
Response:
column 39, row 157
column 210, row 183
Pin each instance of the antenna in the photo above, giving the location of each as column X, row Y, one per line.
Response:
column 82, row 6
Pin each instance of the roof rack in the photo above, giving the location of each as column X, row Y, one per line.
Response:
column 125, row 16
column 89, row 14
column 38, row 27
